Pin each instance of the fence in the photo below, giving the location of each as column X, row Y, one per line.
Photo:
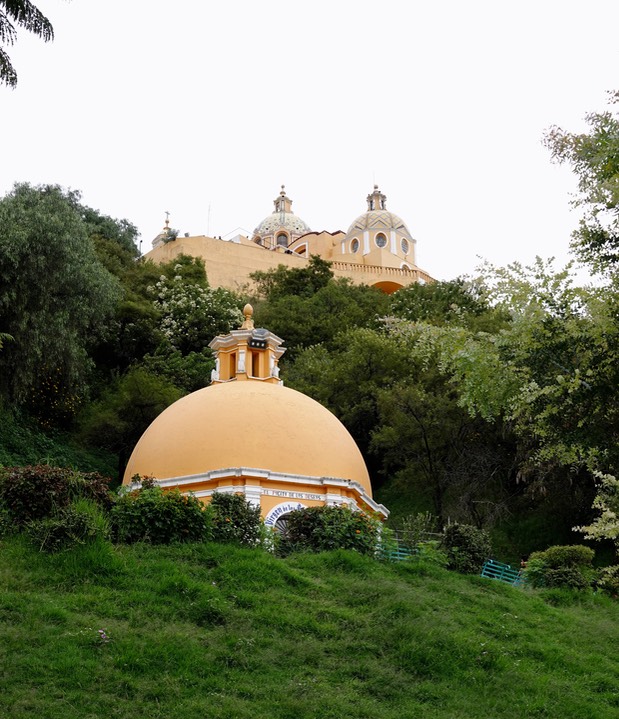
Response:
column 503, row 572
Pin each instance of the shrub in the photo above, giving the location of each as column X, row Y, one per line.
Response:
column 318, row 529
column 415, row 528
column 35, row 492
column 561, row 566
column 608, row 580
column 235, row 520
column 79, row 523
column 152, row 515
column 467, row 547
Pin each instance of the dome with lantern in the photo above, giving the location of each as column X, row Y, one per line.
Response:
column 248, row 434
column 282, row 226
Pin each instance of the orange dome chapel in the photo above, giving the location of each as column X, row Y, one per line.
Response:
column 248, row 434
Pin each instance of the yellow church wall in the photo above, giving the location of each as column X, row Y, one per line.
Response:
column 229, row 264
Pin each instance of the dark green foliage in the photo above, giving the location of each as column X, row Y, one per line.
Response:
column 159, row 517
column 117, row 420
column 23, row 442
column 37, row 492
column 467, row 547
column 80, row 522
column 22, row 14
column 235, row 520
column 55, row 298
column 102, row 228
column 299, row 282
column 320, row 529
column 561, row 566
column 458, row 302
column 307, row 307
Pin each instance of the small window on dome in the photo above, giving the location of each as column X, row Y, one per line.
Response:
column 381, row 240
column 282, row 239
column 405, row 246
column 354, row 245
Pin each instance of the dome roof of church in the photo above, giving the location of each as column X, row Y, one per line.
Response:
column 249, row 424
column 378, row 217
column 282, row 220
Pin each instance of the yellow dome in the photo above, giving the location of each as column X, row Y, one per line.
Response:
column 247, row 424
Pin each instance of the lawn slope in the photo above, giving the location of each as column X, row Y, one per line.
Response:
column 211, row 631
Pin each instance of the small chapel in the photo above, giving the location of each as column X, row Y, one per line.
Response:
column 246, row 433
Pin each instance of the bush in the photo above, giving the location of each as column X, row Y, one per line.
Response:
column 467, row 548
column 151, row 515
column 235, row 520
column 561, row 566
column 416, row 528
column 318, row 529
column 36, row 492
column 80, row 523
column 608, row 580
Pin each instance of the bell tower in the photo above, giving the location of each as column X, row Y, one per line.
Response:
column 249, row 353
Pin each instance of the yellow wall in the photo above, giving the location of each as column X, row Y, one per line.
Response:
column 229, row 264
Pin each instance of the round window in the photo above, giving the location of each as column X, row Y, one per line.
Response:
column 405, row 247
column 354, row 245
column 381, row 240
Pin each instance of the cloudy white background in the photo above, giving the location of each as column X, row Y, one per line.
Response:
column 205, row 108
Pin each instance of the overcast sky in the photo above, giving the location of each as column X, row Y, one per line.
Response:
column 205, row 108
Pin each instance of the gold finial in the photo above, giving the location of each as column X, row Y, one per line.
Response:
column 248, row 312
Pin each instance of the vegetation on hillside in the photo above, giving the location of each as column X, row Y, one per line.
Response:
column 489, row 401
column 217, row 631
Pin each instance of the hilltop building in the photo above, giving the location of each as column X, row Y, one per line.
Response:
column 248, row 434
column 377, row 249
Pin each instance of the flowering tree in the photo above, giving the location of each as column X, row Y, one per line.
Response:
column 191, row 314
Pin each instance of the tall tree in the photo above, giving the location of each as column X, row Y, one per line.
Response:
column 13, row 14
column 54, row 295
column 594, row 157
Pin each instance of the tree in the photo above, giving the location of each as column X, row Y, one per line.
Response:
column 23, row 14
column 55, row 296
column 594, row 157
column 300, row 281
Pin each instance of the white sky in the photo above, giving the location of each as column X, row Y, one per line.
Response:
column 205, row 108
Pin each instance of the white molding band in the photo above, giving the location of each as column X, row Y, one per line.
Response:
column 254, row 492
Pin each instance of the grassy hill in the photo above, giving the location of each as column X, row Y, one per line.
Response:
column 215, row 631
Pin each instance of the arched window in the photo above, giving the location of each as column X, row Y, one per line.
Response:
column 405, row 246
column 282, row 239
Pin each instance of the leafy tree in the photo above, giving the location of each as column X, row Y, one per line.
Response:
column 301, row 282
column 459, row 302
column 55, row 296
column 20, row 13
column 594, row 157
column 119, row 418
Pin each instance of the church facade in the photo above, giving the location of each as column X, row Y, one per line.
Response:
column 377, row 249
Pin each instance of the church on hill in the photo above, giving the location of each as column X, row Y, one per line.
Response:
column 377, row 249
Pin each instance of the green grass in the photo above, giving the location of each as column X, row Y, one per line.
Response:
column 213, row 631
